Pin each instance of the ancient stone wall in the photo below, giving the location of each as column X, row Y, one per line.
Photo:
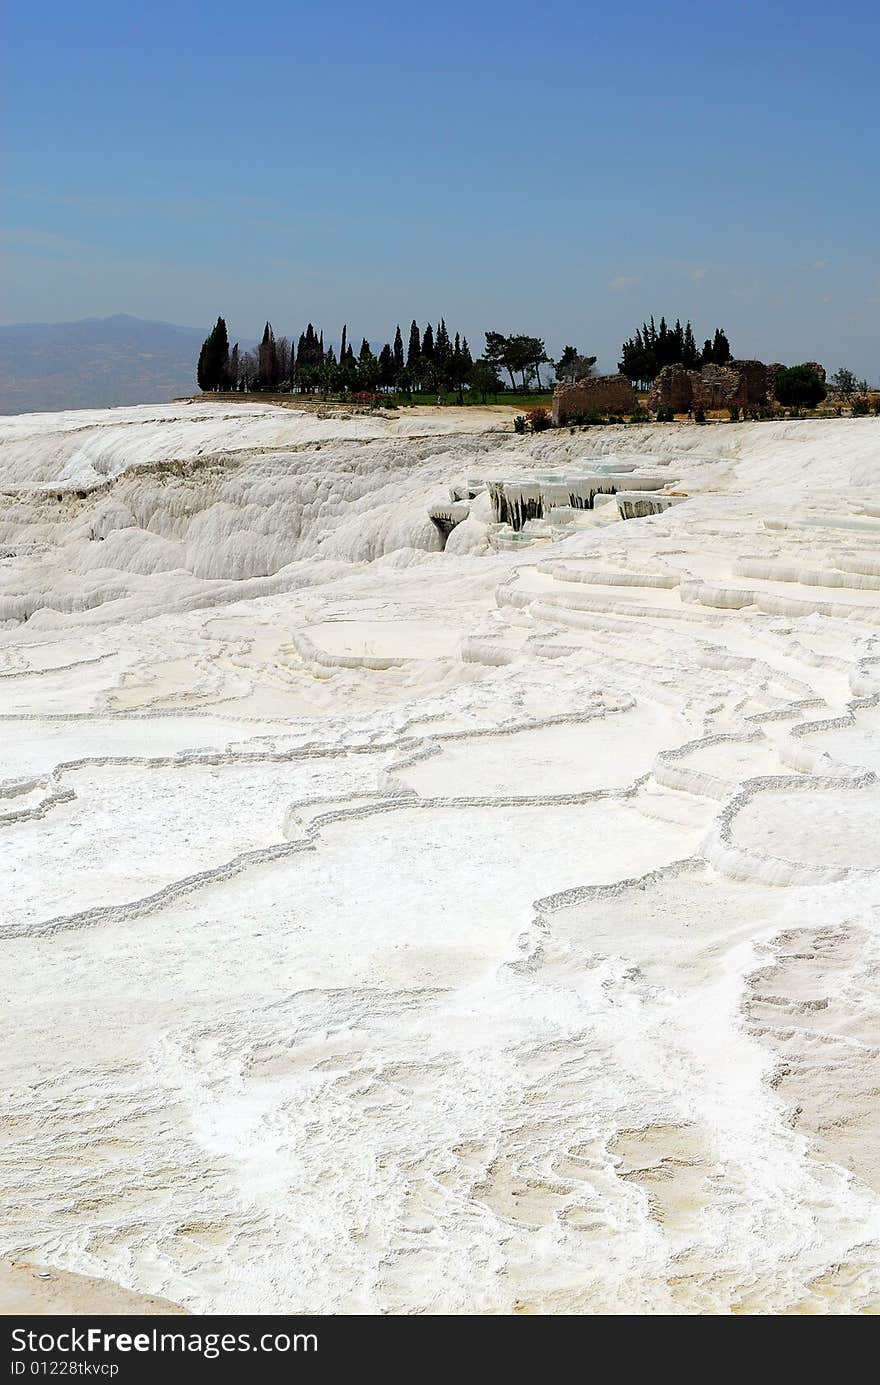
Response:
column 603, row 394
column 675, row 389
column 738, row 383
column 718, row 387
column 754, row 381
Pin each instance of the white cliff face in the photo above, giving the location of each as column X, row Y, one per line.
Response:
column 392, row 928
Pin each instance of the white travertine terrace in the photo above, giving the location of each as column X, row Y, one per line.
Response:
column 403, row 911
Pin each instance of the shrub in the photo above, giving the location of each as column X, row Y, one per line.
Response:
column 539, row 419
column 665, row 416
column 877, row 405
column 639, row 415
column 860, row 408
column 519, row 423
column 699, row 414
column 734, row 413
column 799, row 387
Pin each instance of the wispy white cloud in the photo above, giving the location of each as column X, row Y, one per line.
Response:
column 623, row 282
column 698, row 275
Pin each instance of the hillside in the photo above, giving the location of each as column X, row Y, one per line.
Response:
column 95, row 363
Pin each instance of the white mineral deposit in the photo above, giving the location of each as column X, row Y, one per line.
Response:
column 440, row 867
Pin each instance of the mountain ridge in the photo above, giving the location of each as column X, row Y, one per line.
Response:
column 95, row 362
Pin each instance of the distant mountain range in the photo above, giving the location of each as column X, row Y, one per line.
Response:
column 95, row 363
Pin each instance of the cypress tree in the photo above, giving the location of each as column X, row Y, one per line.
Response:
column 427, row 352
column 222, row 350
column 386, row 366
column 662, row 343
column 203, row 370
column 213, row 368
column 268, row 376
column 678, row 341
column 691, row 355
column 367, row 367
column 414, row 350
column 442, row 347
column 342, row 347
column 398, row 350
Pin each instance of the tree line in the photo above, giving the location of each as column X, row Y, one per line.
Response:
column 432, row 361
column 651, row 348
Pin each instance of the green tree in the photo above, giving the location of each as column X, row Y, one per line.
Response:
column 691, row 356
column 498, row 354
column 398, row 351
column 537, row 356
column 267, row 378
column 484, row 378
column 414, row 350
column 367, row 367
column 460, row 366
column 721, row 352
column 845, row 382
column 213, row 367
column 799, row 387
column 572, row 366
column 517, row 354
column 637, row 358
column 387, row 373
column 404, row 381
column 330, row 372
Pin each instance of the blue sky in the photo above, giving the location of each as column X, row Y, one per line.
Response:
column 559, row 170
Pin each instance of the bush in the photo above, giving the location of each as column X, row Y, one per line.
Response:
column 877, row 405
column 699, row 414
column 799, row 387
column 584, row 420
column 665, row 416
column 519, row 423
column 734, row 413
column 860, row 408
column 639, row 415
column 539, row 419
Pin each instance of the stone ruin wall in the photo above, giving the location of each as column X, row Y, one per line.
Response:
column 743, row 384
column 604, row 394
column 738, row 384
